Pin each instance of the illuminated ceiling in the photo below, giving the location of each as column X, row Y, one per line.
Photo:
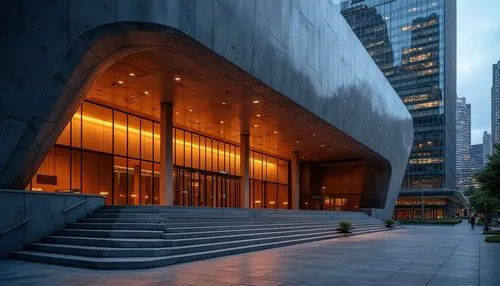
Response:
column 220, row 104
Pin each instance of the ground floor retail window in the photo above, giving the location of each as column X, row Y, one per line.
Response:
column 108, row 152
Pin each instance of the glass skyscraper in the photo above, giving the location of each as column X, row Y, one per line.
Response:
column 487, row 147
column 414, row 44
column 463, row 144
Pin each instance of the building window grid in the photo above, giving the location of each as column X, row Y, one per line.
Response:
column 400, row 17
column 227, row 150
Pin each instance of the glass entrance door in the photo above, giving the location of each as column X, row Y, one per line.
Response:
column 205, row 189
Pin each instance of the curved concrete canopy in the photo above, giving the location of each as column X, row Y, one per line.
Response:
column 301, row 49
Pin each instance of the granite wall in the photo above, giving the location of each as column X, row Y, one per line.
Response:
column 43, row 212
column 51, row 51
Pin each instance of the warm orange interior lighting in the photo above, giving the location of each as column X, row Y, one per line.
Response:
column 101, row 122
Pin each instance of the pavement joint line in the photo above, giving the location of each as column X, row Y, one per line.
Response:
column 446, row 260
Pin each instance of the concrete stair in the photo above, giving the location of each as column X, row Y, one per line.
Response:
column 134, row 237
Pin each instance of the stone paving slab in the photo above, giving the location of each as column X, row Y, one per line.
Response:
column 416, row 255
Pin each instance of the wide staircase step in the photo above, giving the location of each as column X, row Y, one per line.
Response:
column 134, row 237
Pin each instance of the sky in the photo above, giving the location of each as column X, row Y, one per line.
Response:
column 478, row 48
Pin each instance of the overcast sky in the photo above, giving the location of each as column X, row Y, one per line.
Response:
column 478, row 41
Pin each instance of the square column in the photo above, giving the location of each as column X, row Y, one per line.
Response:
column 166, row 155
column 295, row 180
column 245, row 170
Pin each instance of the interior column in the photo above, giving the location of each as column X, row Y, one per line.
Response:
column 166, row 155
column 295, row 187
column 245, row 170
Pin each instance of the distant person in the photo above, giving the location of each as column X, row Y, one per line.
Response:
column 472, row 221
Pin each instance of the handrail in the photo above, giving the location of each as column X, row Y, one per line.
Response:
column 73, row 206
column 24, row 221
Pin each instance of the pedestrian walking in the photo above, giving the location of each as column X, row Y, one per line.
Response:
column 472, row 221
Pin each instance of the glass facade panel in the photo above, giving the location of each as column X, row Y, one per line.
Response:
column 134, row 182
column 96, row 127
column 76, row 171
column 179, row 147
column 133, row 137
column 76, row 129
column 120, row 133
column 146, row 140
column 156, row 142
column 146, row 188
column 413, row 44
column 195, row 158
column 120, row 181
column 119, row 159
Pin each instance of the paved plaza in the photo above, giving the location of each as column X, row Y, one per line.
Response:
column 416, row 255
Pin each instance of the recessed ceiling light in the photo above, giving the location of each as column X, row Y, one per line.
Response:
column 258, row 115
column 146, row 92
column 223, row 103
column 256, row 101
column 120, row 82
column 190, row 110
column 177, row 78
column 131, row 74
column 275, row 132
column 255, row 125
column 221, row 122
column 322, row 145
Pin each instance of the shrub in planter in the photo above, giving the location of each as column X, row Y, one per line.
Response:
column 345, row 227
column 389, row 223
column 492, row 238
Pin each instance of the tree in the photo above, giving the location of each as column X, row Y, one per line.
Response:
column 489, row 177
column 482, row 201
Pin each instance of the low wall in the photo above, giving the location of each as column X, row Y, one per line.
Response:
column 43, row 213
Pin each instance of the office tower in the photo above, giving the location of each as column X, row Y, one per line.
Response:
column 476, row 158
column 487, row 147
column 414, row 45
column 463, row 144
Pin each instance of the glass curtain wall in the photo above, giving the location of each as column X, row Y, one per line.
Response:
column 108, row 152
column 268, row 182
column 207, row 171
column 411, row 42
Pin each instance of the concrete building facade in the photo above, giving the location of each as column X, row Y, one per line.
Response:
column 463, row 144
column 198, row 103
